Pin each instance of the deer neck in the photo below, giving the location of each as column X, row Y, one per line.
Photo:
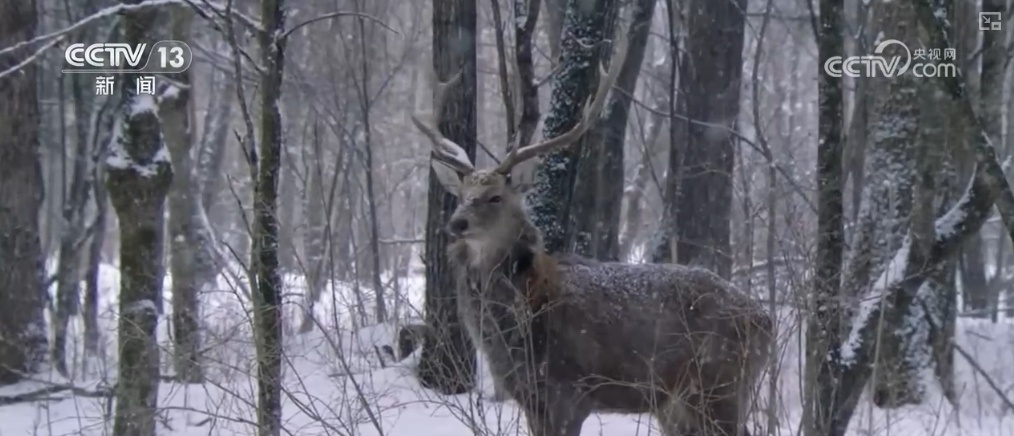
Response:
column 492, row 254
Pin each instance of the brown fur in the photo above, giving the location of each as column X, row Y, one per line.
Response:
column 540, row 282
column 566, row 336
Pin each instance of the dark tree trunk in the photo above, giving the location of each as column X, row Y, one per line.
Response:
column 598, row 190
column 823, row 328
column 448, row 362
column 586, row 25
column 264, row 247
column 190, row 259
column 710, row 83
column 23, row 300
column 139, row 174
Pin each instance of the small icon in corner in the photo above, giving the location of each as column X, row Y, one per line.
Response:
column 990, row 21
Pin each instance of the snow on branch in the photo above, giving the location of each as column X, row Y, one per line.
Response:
column 909, row 269
column 941, row 30
column 31, row 58
column 52, row 38
column 106, row 12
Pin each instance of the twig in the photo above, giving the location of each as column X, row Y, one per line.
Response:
column 32, row 57
column 989, row 380
column 375, row 20
column 44, row 394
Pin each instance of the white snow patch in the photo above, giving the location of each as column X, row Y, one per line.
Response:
column 143, row 103
column 331, row 376
column 139, row 306
column 455, row 152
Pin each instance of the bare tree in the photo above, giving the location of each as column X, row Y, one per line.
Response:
column 23, row 299
column 448, row 362
column 364, row 91
column 823, row 327
column 190, row 260
column 73, row 237
column 265, row 165
column 139, row 174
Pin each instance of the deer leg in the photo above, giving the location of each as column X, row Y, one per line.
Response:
column 674, row 418
column 558, row 414
column 721, row 414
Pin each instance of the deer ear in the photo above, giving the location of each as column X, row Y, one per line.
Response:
column 447, row 177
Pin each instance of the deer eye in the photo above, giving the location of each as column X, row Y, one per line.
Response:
column 495, row 199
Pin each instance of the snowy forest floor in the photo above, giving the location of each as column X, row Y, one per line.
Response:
column 334, row 384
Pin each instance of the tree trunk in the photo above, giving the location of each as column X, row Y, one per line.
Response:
column 448, row 363
column 662, row 247
column 710, row 82
column 90, row 313
column 906, row 348
column 634, row 196
column 995, row 59
column 599, row 186
column 319, row 233
column 912, row 264
column 267, row 292
column 586, row 25
column 824, row 323
column 23, row 300
column 72, row 239
column 380, row 304
column 214, row 139
column 139, row 174
column 191, row 262
column 102, row 132
column 554, row 27
column 973, row 278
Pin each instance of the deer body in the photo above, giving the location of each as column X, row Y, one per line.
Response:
column 566, row 336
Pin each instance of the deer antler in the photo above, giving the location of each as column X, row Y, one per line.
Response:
column 447, row 151
column 592, row 110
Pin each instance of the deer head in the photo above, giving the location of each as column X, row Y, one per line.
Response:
column 489, row 205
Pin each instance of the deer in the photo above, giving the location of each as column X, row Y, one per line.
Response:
column 568, row 336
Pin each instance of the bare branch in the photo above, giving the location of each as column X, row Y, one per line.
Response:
column 592, row 110
column 336, row 15
column 31, row 58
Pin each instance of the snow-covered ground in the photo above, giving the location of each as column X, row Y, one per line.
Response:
column 334, row 383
